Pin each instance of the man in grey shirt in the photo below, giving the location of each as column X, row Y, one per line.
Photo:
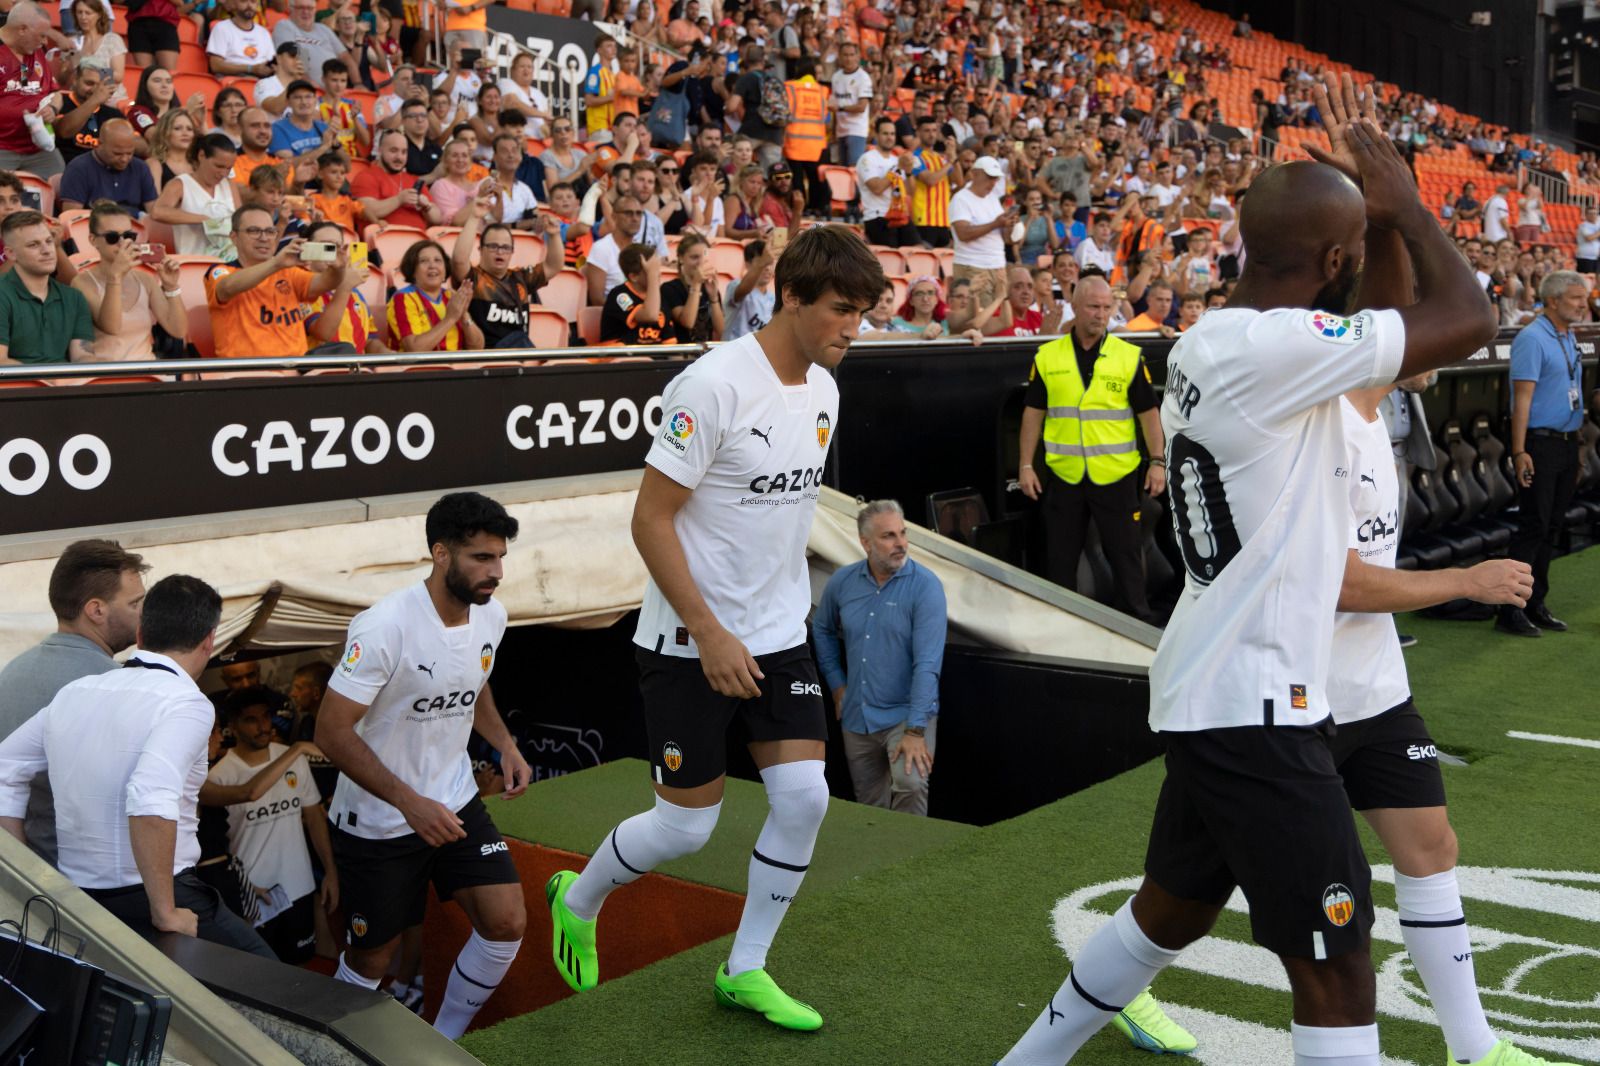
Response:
column 96, row 592
column 317, row 42
column 1069, row 171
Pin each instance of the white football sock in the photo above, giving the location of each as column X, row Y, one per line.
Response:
column 1354, row 1045
column 1115, row 965
column 346, row 974
column 798, row 793
column 636, row 847
column 1434, row 928
column 478, row 971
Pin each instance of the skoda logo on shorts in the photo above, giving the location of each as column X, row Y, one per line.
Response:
column 1339, row 904
column 671, row 756
column 358, row 925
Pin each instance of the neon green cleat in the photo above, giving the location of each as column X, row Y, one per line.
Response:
column 1148, row 1028
column 571, row 938
column 1503, row 1054
column 753, row 990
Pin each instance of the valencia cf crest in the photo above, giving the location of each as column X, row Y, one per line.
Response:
column 358, row 925
column 292, row 779
column 1297, row 697
column 823, row 425
column 671, row 756
column 486, row 656
column 1339, row 904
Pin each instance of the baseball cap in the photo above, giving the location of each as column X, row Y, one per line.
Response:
column 989, row 165
column 780, row 167
column 300, row 85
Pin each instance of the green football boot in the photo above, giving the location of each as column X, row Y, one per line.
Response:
column 571, row 938
column 1503, row 1054
column 753, row 990
column 1148, row 1028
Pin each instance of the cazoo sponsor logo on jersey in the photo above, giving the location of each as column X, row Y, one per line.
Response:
column 784, row 486
column 1542, row 994
column 449, row 705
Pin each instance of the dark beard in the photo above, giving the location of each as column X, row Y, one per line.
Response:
column 1336, row 296
column 457, row 586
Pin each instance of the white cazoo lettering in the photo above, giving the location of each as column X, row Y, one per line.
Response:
column 278, row 442
column 556, row 423
column 66, row 463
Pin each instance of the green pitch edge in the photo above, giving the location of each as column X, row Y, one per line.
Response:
column 576, row 811
column 947, row 955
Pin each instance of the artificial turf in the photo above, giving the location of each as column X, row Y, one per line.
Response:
column 946, row 955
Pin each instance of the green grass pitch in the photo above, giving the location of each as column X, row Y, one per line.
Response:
column 932, row 943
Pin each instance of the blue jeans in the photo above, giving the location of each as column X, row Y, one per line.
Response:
column 850, row 149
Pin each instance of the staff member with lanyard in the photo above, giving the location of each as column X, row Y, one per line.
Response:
column 1085, row 391
column 1546, row 411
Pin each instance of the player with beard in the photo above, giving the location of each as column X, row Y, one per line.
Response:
column 402, row 703
column 730, row 486
column 1260, row 503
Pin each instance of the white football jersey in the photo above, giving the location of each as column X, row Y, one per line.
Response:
column 1367, row 674
column 1257, row 479
column 268, row 835
column 752, row 449
column 419, row 681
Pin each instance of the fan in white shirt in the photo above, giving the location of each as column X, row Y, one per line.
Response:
column 1258, row 471
column 409, row 690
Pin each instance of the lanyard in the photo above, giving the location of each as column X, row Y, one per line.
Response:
column 1572, row 363
column 140, row 664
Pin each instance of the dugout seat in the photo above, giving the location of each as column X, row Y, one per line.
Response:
column 1475, row 500
column 1423, row 544
column 956, row 513
column 1455, row 500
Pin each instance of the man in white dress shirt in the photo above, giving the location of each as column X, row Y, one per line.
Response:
column 125, row 805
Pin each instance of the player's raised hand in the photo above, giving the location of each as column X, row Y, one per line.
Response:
column 729, row 666
column 1386, row 182
column 1501, row 581
column 431, row 820
column 1340, row 103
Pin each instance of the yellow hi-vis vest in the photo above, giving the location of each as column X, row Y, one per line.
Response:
column 1089, row 428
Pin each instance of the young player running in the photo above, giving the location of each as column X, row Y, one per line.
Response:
column 722, row 520
column 1239, row 683
column 411, row 688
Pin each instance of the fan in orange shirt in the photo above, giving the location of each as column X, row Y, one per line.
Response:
column 257, row 301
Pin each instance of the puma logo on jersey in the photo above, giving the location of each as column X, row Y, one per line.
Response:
column 1369, row 481
column 427, row 669
column 1418, row 752
column 754, row 432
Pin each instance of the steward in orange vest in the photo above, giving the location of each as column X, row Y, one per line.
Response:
column 805, row 138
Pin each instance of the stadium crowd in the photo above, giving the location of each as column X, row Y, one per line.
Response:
column 327, row 191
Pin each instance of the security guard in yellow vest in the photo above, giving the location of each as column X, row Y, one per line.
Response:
column 1084, row 393
column 805, row 138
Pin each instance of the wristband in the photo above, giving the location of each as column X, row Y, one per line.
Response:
column 173, row 295
column 916, row 730
column 1158, row 462
column 1027, row 466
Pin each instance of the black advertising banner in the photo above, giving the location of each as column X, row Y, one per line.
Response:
column 562, row 48
column 107, row 454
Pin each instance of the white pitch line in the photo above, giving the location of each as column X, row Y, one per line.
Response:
column 1550, row 738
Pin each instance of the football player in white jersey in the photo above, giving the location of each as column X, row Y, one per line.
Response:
column 1238, row 688
column 722, row 520
column 400, row 707
column 1382, row 748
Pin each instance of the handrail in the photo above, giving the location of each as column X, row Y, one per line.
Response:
column 1589, row 332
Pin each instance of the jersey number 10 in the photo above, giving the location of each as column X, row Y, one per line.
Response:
column 1200, row 515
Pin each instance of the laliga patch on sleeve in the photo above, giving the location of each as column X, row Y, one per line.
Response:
column 352, row 658
column 1332, row 327
column 677, row 429
column 625, row 301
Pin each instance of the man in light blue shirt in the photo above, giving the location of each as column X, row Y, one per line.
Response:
column 1546, row 414
column 880, row 632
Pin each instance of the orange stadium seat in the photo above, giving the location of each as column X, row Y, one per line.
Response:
column 727, row 257
column 191, row 281
column 841, row 185
column 393, row 242
column 589, row 325
column 548, row 329
column 529, row 251
column 565, row 293
column 375, row 290
column 919, row 262
column 893, row 263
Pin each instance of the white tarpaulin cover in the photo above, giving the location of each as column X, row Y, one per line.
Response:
column 573, row 564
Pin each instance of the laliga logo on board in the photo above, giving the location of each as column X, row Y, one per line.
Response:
column 1542, row 994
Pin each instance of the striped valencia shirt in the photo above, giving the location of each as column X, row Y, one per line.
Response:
column 355, row 326
column 930, row 204
column 412, row 312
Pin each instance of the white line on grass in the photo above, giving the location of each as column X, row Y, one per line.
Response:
column 1550, row 738
column 1228, row 1041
